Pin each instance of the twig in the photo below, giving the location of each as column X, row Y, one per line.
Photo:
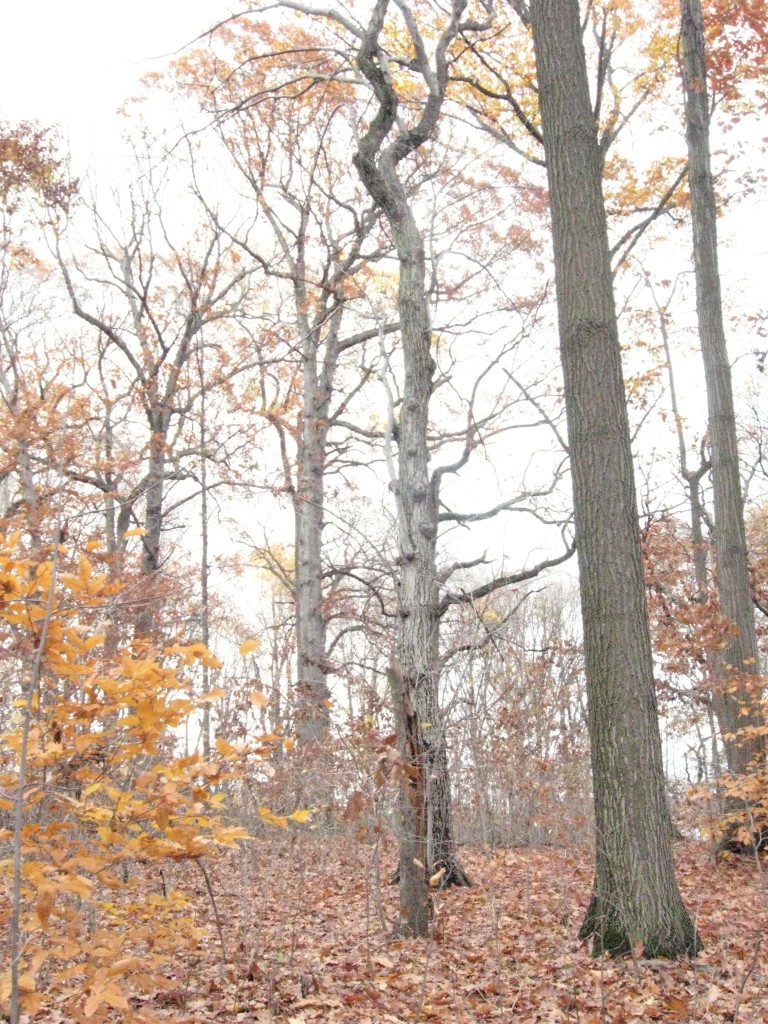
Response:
column 209, row 887
column 747, row 975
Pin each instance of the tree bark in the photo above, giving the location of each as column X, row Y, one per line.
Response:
column 415, row 904
column 636, row 901
column 154, row 495
column 737, row 668
column 416, row 492
column 312, row 709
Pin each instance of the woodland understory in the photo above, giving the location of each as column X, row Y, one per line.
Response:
column 384, row 526
column 307, row 917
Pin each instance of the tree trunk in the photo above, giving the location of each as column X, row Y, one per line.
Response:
column 154, row 494
column 416, row 493
column 636, row 901
column 737, row 669
column 312, row 710
column 415, row 904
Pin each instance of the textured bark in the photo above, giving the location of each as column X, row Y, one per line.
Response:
column 415, row 904
column 416, row 492
column 737, row 666
column 154, row 494
column 636, row 899
column 312, row 712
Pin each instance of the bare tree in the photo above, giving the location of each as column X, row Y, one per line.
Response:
column 155, row 305
column 636, row 899
column 737, row 665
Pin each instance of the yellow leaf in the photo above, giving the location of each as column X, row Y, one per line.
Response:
column 126, row 964
column 301, row 815
column 259, row 699
column 106, row 992
column 137, row 532
column 44, row 905
column 435, row 879
column 248, row 646
column 288, row 744
column 27, row 982
column 82, row 742
column 271, row 818
column 215, row 694
column 31, row 1003
column 225, row 748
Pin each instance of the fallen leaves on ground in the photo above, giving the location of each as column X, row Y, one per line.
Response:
column 307, row 917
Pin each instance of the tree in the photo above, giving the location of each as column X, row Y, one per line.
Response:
column 38, row 410
column 398, row 149
column 737, row 664
column 158, row 307
column 414, row 678
column 315, row 247
column 636, row 899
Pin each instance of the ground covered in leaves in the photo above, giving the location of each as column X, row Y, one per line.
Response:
column 305, row 921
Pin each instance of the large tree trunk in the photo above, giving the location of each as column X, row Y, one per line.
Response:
column 416, row 492
column 415, row 904
column 636, row 901
column 737, row 666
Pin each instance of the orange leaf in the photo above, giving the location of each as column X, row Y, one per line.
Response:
column 44, row 905
column 215, row 694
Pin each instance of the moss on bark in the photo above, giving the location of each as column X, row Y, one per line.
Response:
column 602, row 923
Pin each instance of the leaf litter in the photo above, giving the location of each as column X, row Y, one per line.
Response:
column 307, row 921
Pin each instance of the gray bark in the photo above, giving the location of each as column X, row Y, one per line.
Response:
column 737, row 666
column 636, row 900
column 416, row 491
column 312, row 693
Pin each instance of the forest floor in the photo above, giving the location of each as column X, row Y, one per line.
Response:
column 305, row 923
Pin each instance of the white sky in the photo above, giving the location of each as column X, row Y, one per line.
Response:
column 73, row 62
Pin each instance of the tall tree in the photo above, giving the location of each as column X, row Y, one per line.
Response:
column 737, row 667
column 315, row 248
column 414, row 679
column 158, row 306
column 636, row 899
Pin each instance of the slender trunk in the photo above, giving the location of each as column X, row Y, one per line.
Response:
column 154, row 493
column 636, row 901
column 416, row 493
column 737, row 669
column 312, row 710
column 205, row 619
column 693, row 477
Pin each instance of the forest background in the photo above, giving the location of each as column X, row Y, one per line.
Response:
column 205, row 556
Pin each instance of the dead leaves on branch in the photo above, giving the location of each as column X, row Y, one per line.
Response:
column 109, row 805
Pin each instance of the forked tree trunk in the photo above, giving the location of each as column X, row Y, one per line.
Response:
column 737, row 667
column 636, row 901
column 416, row 492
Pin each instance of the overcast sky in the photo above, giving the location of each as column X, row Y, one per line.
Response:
column 73, row 62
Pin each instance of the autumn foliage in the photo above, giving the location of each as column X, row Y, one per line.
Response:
column 103, row 798
column 228, row 678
